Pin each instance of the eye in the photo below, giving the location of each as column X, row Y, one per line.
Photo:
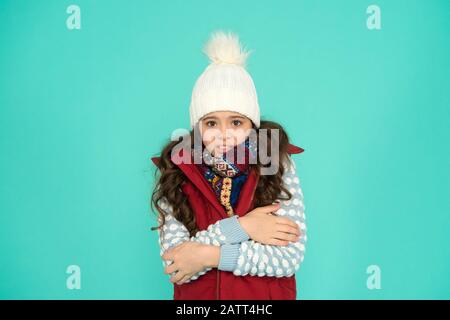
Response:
column 210, row 123
column 237, row 122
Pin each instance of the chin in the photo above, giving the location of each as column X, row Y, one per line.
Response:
column 219, row 151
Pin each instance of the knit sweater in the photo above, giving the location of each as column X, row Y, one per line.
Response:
column 239, row 254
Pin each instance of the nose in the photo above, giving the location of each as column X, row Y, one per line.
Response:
column 226, row 134
column 223, row 132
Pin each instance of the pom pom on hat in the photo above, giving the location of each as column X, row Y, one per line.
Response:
column 225, row 84
column 225, row 48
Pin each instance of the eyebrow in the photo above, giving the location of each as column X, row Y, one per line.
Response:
column 230, row 117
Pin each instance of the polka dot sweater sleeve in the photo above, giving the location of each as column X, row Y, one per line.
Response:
column 253, row 258
column 224, row 232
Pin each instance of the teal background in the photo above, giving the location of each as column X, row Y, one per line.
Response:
column 82, row 112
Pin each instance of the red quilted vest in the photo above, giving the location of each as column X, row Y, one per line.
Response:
column 224, row 285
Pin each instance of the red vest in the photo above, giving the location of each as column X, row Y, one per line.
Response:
column 224, row 285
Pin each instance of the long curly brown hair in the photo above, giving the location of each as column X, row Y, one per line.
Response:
column 168, row 184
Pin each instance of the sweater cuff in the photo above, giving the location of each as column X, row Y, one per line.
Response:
column 229, row 254
column 232, row 230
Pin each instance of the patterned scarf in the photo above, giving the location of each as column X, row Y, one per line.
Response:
column 225, row 175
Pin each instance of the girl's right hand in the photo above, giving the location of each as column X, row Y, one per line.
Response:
column 264, row 227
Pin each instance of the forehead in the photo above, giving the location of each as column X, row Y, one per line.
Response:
column 223, row 115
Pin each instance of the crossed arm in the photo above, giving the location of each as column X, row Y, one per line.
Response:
column 238, row 253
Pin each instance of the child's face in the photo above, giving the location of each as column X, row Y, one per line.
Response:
column 222, row 130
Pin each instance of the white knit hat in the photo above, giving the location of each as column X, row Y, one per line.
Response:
column 225, row 85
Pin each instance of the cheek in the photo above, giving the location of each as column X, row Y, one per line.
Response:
column 241, row 135
column 208, row 136
column 240, row 138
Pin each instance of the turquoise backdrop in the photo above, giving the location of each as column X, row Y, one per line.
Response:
column 83, row 110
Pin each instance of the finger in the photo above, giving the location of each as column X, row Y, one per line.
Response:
column 177, row 277
column 278, row 242
column 185, row 278
column 172, row 268
column 288, row 229
column 284, row 220
column 168, row 255
column 286, row 236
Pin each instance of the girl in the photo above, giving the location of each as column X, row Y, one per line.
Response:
column 228, row 228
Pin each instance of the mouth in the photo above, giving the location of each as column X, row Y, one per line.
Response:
column 222, row 148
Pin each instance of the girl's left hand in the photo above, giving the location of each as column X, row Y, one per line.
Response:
column 188, row 259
